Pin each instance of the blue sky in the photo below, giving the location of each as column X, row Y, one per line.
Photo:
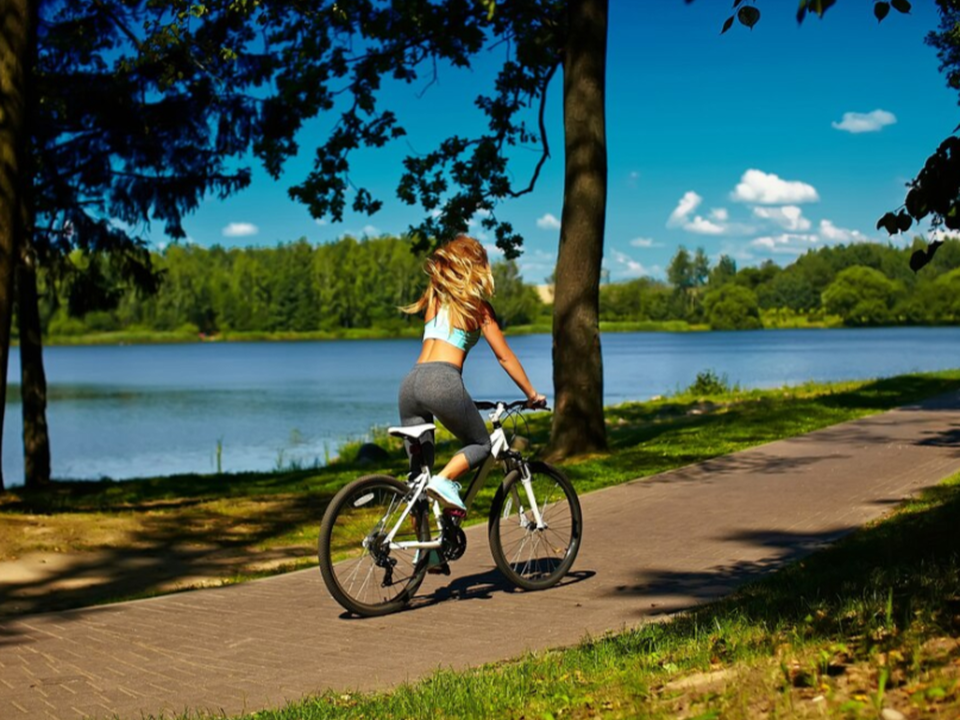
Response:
column 759, row 145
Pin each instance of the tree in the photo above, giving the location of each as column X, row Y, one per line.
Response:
column 127, row 126
column 18, row 24
column 732, row 307
column 862, row 296
column 723, row 272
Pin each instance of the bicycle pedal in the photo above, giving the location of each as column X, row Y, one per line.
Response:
column 455, row 513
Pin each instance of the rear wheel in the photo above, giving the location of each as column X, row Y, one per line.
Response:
column 535, row 558
column 359, row 568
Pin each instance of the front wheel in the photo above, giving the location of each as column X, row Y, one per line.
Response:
column 532, row 556
column 360, row 569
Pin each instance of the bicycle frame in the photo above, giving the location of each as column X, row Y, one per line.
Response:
column 499, row 452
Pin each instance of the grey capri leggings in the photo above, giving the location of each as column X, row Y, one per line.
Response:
column 435, row 390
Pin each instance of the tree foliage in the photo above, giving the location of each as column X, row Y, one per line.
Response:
column 292, row 288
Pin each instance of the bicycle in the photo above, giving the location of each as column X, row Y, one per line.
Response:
column 376, row 543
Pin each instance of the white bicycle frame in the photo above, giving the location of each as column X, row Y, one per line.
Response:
column 499, row 447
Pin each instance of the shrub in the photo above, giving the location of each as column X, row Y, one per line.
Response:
column 709, row 383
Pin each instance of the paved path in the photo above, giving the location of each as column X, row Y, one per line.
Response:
column 650, row 547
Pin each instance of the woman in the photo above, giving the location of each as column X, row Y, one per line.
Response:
column 456, row 313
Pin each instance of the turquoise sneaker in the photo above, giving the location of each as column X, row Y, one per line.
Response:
column 446, row 492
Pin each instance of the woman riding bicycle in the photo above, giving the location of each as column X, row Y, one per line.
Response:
column 456, row 312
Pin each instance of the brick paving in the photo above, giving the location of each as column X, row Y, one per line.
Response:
column 650, row 547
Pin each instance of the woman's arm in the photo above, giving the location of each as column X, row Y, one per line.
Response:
column 508, row 361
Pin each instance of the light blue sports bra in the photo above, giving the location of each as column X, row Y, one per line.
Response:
column 439, row 329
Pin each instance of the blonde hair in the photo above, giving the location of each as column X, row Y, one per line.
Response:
column 460, row 280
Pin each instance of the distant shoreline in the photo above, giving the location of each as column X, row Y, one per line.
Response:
column 173, row 337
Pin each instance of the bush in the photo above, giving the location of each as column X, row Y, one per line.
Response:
column 709, row 383
column 732, row 307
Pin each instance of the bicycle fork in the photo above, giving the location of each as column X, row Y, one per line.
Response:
column 526, row 479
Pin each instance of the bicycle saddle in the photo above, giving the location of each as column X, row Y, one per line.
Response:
column 412, row 432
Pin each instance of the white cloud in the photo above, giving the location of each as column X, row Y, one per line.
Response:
column 763, row 188
column 492, row 249
column 321, row 222
column 548, row 222
column 371, row 230
column 702, row 226
column 643, row 242
column 688, row 203
column 789, row 217
column 875, row 121
column 830, row 232
column 240, row 229
column 627, row 266
column 786, row 243
column 720, row 214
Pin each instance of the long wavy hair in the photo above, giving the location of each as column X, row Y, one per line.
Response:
column 460, row 280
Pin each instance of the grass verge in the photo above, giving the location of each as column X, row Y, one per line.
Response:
column 105, row 541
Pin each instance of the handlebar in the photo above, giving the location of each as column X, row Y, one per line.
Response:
column 486, row 405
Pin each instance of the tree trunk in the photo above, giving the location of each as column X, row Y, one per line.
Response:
column 17, row 41
column 578, row 425
column 33, row 380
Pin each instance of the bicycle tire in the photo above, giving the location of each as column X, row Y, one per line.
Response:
column 529, row 558
column 360, row 579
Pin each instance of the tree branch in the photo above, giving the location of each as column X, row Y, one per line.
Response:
column 543, row 135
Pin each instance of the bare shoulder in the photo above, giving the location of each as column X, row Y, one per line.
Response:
column 488, row 314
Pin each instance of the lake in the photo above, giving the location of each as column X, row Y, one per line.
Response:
column 133, row 411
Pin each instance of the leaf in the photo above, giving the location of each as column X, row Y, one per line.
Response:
column 727, row 25
column 881, row 10
column 889, row 223
column 802, row 11
column 749, row 16
column 904, row 221
column 902, row 6
column 737, row 3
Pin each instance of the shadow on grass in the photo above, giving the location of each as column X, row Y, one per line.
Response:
column 169, row 551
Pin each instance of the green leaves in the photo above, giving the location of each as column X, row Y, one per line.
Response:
column 748, row 15
column 882, row 9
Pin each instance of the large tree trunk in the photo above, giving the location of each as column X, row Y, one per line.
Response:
column 578, row 425
column 33, row 380
column 17, row 40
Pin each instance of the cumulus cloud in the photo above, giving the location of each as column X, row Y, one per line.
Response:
column 702, row 226
column 688, row 203
column 321, row 222
column 875, row 121
column 240, row 229
column 830, row 232
column 627, row 266
column 643, row 242
column 680, row 217
column 786, row 243
column 763, row 188
column 789, row 217
column 548, row 222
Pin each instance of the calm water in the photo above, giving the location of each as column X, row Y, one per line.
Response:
column 125, row 412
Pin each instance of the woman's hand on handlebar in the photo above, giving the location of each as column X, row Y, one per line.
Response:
column 536, row 401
